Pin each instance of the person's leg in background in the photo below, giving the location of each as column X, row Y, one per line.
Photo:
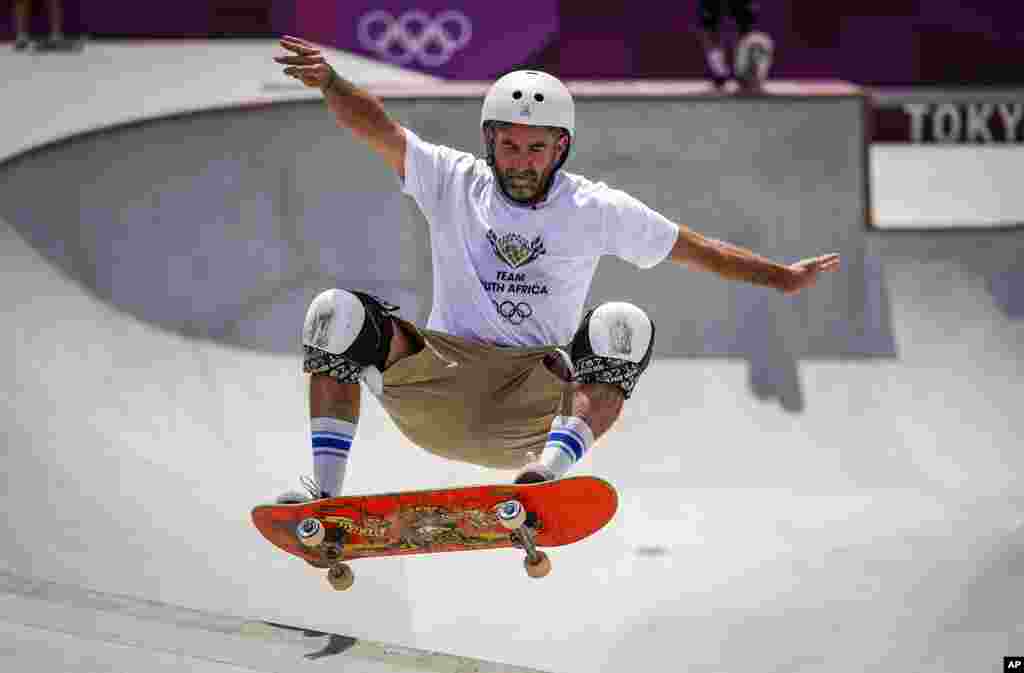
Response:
column 55, row 40
column 22, row 16
column 709, row 20
column 745, row 13
column 56, row 14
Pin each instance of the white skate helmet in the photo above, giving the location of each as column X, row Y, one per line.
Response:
column 529, row 98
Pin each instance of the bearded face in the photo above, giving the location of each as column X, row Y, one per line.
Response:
column 524, row 158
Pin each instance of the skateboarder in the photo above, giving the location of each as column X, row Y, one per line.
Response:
column 509, row 373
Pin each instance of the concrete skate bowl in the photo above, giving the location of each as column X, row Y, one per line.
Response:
column 222, row 225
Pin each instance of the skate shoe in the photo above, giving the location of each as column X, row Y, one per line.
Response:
column 753, row 59
column 57, row 43
column 717, row 67
column 312, row 492
column 534, row 473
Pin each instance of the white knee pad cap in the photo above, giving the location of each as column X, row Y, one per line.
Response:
column 620, row 330
column 333, row 321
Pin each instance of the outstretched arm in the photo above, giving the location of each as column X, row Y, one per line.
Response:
column 698, row 252
column 353, row 108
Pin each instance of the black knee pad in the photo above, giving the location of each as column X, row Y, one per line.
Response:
column 609, row 346
column 366, row 345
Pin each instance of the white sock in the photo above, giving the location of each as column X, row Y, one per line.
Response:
column 569, row 441
column 332, row 440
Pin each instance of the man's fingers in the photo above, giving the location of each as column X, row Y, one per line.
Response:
column 300, row 60
column 807, row 271
column 823, row 263
column 829, row 263
column 304, row 73
column 298, row 46
column 296, row 40
column 824, row 259
column 305, row 62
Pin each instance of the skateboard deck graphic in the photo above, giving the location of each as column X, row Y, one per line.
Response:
column 444, row 520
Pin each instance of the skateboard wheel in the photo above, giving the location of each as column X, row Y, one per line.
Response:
column 511, row 514
column 340, row 576
column 310, row 532
column 540, row 568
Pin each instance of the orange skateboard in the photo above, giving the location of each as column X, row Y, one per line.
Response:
column 328, row 532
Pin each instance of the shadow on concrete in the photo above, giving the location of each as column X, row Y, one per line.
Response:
column 335, row 644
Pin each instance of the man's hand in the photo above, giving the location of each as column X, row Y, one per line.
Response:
column 804, row 273
column 307, row 65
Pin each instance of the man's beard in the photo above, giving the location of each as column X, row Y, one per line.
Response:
column 521, row 186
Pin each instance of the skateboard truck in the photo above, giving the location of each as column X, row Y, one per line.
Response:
column 523, row 525
column 331, row 543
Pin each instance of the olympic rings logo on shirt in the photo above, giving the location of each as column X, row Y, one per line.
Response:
column 414, row 36
column 513, row 312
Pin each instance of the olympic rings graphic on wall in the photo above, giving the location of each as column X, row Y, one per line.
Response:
column 414, row 36
column 514, row 313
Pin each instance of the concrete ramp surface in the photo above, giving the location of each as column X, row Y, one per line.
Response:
column 72, row 629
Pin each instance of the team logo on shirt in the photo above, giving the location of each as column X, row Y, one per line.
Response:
column 514, row 249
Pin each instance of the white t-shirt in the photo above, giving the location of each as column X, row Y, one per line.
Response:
column 510, row 275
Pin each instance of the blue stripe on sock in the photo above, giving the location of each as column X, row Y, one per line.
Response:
column 564, row 449
column 336, row 435
column 331, row 452
column 570, row 440
column 331, row 442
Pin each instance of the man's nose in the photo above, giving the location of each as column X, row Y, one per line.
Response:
column 530, row 163
column 522, row 162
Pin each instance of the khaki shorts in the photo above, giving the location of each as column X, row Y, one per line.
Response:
column 472, row 402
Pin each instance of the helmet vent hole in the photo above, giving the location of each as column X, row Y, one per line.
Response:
column 517, row 95
column 539, row 97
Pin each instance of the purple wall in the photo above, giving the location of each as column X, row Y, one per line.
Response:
column 873, row 42
column 880, row 42
column 180, row 18
column 460, row 39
